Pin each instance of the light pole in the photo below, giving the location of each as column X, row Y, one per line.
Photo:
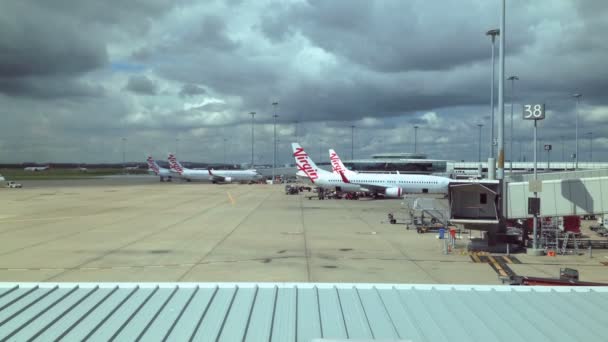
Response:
column 297, row 135
column 252, row 135
column 320, row 149
column 479, row 151
column 500, row 167
column 548, row 148
column 492, row 33
column 590, row 146
column 512, row 79
column 534, row 188
column 415, row 139
column 535, row 220
column 578, row 101
column 124, row 153
column 225, row 150
column 274, row 151
column 520, row 155
column 352, row 142
column 561, row 138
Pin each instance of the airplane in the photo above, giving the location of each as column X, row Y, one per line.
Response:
column 36, row 168
column 227, row 176
column 153, row 168
column 391, row 185
column 214, row 176
column 309, row 171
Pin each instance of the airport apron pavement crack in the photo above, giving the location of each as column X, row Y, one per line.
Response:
column 185, row 264
column 306, row 251
column 224, row 238
column 54, row 220
column 163, row 229
column 68, row 235
column 50, row 219
column 396, row 247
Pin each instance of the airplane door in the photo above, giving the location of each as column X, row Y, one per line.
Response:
column 339, row 189
column 425, row 191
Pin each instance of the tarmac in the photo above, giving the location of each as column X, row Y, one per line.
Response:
column 136, row 229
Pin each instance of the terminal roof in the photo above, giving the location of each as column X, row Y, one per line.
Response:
column 300, row 312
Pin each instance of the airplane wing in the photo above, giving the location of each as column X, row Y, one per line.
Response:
column 215, row 177
column 365, row 186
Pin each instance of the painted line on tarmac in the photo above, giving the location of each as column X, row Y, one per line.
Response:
column 41, row 219
column 230, row 197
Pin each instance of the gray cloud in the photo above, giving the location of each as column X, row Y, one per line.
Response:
column 35, row 43
column 382, row 65
column 49, row 88
column 395, row 36
column 190, row 89
column 212, row 33
column 142, row 85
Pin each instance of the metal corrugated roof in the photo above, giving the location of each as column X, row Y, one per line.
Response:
column 300, row 312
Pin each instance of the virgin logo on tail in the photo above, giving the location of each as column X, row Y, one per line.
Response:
column 335, row 162
column 152, row 165
column 174, row 165
column 304, row 165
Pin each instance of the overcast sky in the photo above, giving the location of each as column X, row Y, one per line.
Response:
column 77, row 76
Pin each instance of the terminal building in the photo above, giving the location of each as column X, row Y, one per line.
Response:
column 418, row 163
column 403, row 162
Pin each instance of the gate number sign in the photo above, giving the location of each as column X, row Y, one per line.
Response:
column 534, row 111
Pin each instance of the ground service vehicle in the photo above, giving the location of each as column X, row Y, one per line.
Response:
column 13, row 185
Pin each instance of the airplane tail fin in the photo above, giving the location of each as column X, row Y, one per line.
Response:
column 152, row 165
column 174, row 165
column 304, row 163
column 344, row 178
column 337, row 165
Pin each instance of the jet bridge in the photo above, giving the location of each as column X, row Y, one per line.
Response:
column 563, row 194
column 475, row 203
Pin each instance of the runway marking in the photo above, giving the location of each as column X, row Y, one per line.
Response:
column 41, row 219
column 136, row 240
column 230, row 197
column 507, row 259
column 475, row 258
column 499, row 269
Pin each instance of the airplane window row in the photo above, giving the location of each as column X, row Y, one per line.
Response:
column 390, row 181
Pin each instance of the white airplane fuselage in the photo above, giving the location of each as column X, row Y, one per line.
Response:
column 217, row 176
column 162, row 172
column 236, row 175
column 411, row 184
column 328, row 180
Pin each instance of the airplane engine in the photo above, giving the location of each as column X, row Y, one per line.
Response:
column 394, row 192
column 228, row 179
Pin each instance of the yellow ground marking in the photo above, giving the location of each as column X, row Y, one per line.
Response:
column 475, row 257
column 501, row 271
column 230, row 197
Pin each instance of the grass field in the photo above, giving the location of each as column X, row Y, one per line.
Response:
column 19, row 174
